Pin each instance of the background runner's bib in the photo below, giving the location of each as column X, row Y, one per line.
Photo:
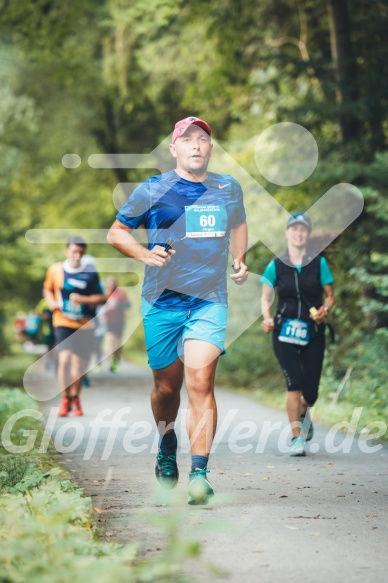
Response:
column 206, row 220
column 295, row 332
column 72, row 310
column 84, row 283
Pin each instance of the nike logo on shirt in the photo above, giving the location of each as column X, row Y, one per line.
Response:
column 221, row 186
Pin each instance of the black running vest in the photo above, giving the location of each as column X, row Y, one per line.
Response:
column 298, row 292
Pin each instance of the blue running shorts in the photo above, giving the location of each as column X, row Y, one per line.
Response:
column 165, row 331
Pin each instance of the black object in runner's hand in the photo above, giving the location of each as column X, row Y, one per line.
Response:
column 168, row 244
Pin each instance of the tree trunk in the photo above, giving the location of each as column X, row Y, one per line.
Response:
column 344, row 67
column 106, row 135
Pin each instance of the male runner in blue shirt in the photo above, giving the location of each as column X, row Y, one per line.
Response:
column 201, row 216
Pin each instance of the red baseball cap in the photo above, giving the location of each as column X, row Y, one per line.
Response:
column 182, row 125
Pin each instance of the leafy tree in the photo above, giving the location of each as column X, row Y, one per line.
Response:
column 113, row 76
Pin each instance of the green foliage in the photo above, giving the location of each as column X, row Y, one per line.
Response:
column 369, row 378
column 13, row 401
column 45, row 509
column 89, row 77
column 371, row 270
column 13, row 367
column 248, row 359
column 52, row 516
column 46, row 527
column 19, row 474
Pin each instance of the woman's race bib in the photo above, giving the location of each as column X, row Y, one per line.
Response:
column 295, row 332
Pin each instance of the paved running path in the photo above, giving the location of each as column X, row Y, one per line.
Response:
column 274, row 518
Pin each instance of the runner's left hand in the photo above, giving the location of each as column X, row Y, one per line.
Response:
column 321, row 316
column 240, row 274
column 76, row 298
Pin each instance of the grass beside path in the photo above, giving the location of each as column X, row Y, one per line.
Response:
column 46, row 523
column 13, row 367
column 327, row 411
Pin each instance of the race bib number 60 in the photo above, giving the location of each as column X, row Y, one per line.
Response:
column 207, row 220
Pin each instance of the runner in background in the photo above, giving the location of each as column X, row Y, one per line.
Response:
column 32, row 326
column 72, row 292
column 301, row 279
column 114, row 313
column 20, row 326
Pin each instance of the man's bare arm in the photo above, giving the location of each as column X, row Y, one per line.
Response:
column 267, row 296
column 121, row 238
column 238, row 247
column 49, row 296
column 93, row 300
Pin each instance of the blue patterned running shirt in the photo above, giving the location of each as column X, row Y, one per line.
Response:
column 198, row 216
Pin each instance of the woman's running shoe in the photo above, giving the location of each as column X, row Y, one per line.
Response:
column 297, row 447
column 310, row 430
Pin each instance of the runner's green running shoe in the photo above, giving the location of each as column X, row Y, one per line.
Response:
column 310, row 431
column 114, row 367
column 297, row 447
column 200, row 490
column 166, row 470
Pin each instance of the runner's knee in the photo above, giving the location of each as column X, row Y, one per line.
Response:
column 166, row 390
column 310, row 397
column 294, row 394
column 64, row 358
column 199, row 385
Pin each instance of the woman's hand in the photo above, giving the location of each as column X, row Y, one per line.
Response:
column 320, row 315
column 268, row 325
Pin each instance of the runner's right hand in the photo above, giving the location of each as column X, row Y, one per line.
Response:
column 158, row 256
column 268, row 325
